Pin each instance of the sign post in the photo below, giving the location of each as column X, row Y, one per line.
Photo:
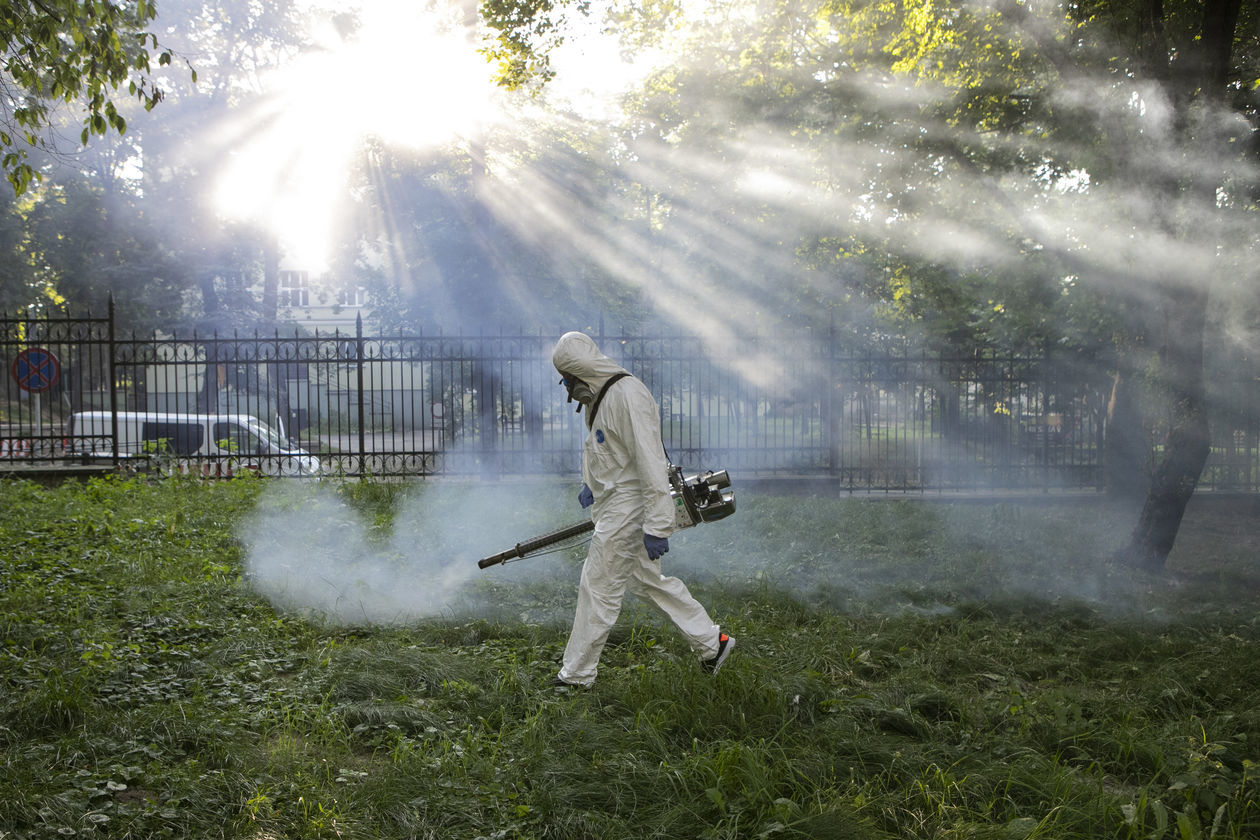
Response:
column 36, row 370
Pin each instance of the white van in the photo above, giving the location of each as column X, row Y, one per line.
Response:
column 190, row 441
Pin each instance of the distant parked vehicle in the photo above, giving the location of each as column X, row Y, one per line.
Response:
column 218, row 443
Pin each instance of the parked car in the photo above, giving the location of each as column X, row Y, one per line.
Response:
column 222, row 443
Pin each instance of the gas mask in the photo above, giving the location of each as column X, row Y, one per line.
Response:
column 577, row 390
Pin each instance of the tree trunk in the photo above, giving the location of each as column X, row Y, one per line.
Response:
column 1187, row 445
column 211, row 381
column 208, row 396
column 278, row 372
column 1127, row 451
column 271, row 280
column 1200, row 75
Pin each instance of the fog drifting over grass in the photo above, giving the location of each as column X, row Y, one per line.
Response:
column 311, row 550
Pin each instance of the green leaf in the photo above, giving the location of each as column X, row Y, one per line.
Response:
column 1185, row 828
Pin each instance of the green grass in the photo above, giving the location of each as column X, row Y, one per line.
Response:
column 904, row 669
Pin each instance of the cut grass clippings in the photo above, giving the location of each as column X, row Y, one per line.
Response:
column 903, row 669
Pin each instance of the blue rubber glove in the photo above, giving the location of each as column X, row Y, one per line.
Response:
column 656, row 546
column 585, row 497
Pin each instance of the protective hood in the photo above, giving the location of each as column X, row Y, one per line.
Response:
column 577, row 354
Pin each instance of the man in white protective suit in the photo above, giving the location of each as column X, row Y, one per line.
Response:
column 626, row 485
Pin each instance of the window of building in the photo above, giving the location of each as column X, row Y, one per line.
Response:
column 352, row 297
column 293, row 289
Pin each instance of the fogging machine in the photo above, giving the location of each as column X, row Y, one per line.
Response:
column 706, row 497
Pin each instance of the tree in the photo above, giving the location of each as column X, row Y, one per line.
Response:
column 88, row 245
column 17, row 281
column 59, row 52
column 1013, row 173
column 1188, row 50
column 1184, row 158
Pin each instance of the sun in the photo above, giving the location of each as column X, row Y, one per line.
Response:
column 409, row 75
column 401, row 72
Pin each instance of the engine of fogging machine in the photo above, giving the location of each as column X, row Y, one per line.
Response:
column 706, row 497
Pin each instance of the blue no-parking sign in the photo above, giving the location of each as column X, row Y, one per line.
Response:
column 35, row 369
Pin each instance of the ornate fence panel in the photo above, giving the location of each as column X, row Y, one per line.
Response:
column 792, row 407
column 366, row 405
column 73, row 360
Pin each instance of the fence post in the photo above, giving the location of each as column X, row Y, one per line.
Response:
column 486, row 378
column 358, row 353
column 829, row 422
column 113, row 382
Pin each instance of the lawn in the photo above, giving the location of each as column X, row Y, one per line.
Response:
column 258, row 659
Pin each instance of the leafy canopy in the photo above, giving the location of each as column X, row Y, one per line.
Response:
column 526, row 31
column 59, row 52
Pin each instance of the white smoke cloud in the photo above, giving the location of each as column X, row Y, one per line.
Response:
column 310, row 551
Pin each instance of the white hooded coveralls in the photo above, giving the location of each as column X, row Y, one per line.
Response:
column 624, row 465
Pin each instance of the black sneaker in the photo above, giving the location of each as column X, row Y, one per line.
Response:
column 725, row 643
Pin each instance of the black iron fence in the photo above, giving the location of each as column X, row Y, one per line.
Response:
column 352, row 404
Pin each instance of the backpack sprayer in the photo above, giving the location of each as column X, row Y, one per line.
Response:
column 699, row 498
